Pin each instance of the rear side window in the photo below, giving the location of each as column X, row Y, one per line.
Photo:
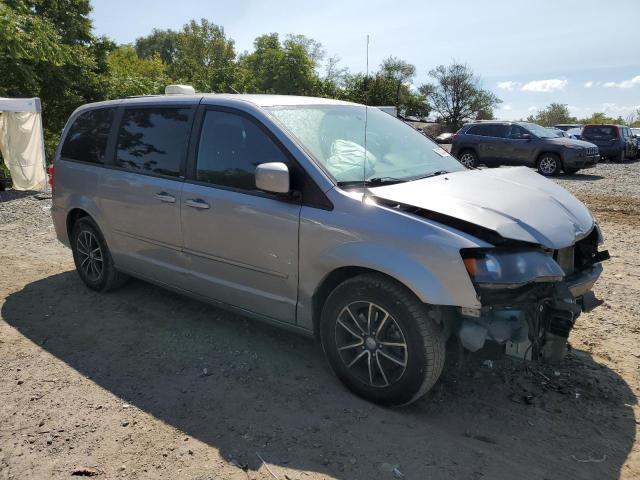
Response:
column 600, row 132
column 231, row 147
column 87, row 138
column 153, row 140
column 489, row 130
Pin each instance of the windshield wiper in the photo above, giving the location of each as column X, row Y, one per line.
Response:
column 377, row 181
column 432, row 174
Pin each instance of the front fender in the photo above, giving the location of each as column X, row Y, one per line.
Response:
column 429, row 287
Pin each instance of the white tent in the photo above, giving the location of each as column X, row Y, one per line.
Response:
column 22, row 142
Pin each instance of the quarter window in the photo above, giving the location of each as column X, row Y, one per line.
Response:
column 231, row 147
column 87, row 138
column 153, row 140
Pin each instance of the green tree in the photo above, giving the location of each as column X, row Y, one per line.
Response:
column 283, row 68
column 390, row 85
column 160, row 42
column 457, row 95
column 552, row 115
column 205, row 58
column 599, row 117
column 47, row 50
column 131, row 75
column 399, row 73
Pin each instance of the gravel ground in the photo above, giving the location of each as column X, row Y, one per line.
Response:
column 142, row 383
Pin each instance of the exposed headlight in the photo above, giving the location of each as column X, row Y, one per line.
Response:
column 499, row 268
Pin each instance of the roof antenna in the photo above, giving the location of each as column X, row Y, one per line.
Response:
column 366, row 108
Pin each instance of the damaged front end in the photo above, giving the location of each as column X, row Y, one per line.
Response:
column 530, row 297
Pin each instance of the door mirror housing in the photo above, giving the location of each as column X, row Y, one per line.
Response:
column 273, row 177
column 527, row 136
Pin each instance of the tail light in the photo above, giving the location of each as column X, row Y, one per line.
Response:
column 50, row 173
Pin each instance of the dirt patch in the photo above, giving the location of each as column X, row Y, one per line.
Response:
column 142, row 383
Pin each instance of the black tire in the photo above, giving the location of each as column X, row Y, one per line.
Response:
column 571, row 171
column 408, row 322
column 618, row 157
column 548, row 164
column 92, row 257
column 468, row 158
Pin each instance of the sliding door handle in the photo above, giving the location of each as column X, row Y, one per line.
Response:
column 197, row 203
column 165, row 197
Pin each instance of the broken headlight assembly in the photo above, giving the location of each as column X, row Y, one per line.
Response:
column 502, row 268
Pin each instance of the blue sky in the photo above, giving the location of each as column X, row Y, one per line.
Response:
column 585, row 53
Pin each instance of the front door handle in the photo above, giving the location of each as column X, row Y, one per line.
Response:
column 197, row 203
column 165, row 197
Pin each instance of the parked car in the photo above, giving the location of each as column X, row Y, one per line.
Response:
column 636, row 133
column 444, row 138
column 521, row 143
column 615, row 142
column 568, row 126
column 380, row 245
column 575, row 133
column 559, row 132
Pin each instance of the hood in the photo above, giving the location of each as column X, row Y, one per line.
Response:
column 516, row 203
column 569, row 142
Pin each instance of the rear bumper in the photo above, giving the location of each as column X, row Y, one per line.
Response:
column 59, row 217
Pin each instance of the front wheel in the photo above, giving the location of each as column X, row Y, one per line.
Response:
column 548, row 164
column 381, row 341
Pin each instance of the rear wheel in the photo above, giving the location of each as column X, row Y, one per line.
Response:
column 469, row 158
column 381, row 341
column 92, row 257
column 548, row 164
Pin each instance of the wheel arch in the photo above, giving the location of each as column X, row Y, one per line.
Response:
column 329, row 283
column 468, row 148
column 549, row 152
column 73, row 216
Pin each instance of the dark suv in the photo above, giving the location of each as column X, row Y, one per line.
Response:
column 616, row 142
column 522, row 143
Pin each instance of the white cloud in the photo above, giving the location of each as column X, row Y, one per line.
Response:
column 551, row 85
column 532, row 108
column 506, row 107
column 621, row 110
column 634, row 82
column 508, row 85
column 589, row 84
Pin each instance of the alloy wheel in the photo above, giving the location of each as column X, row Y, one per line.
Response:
column 371, row 344
column 548, row 165
column 90, row 255
column 467, row 159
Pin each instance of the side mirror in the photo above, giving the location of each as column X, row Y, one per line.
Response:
column 527, row 136
column 273, row 177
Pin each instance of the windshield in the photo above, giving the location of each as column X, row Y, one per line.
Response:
column 540, row 132
column 335, row 136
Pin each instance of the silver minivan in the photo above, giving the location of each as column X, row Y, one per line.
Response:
column 329, row 218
